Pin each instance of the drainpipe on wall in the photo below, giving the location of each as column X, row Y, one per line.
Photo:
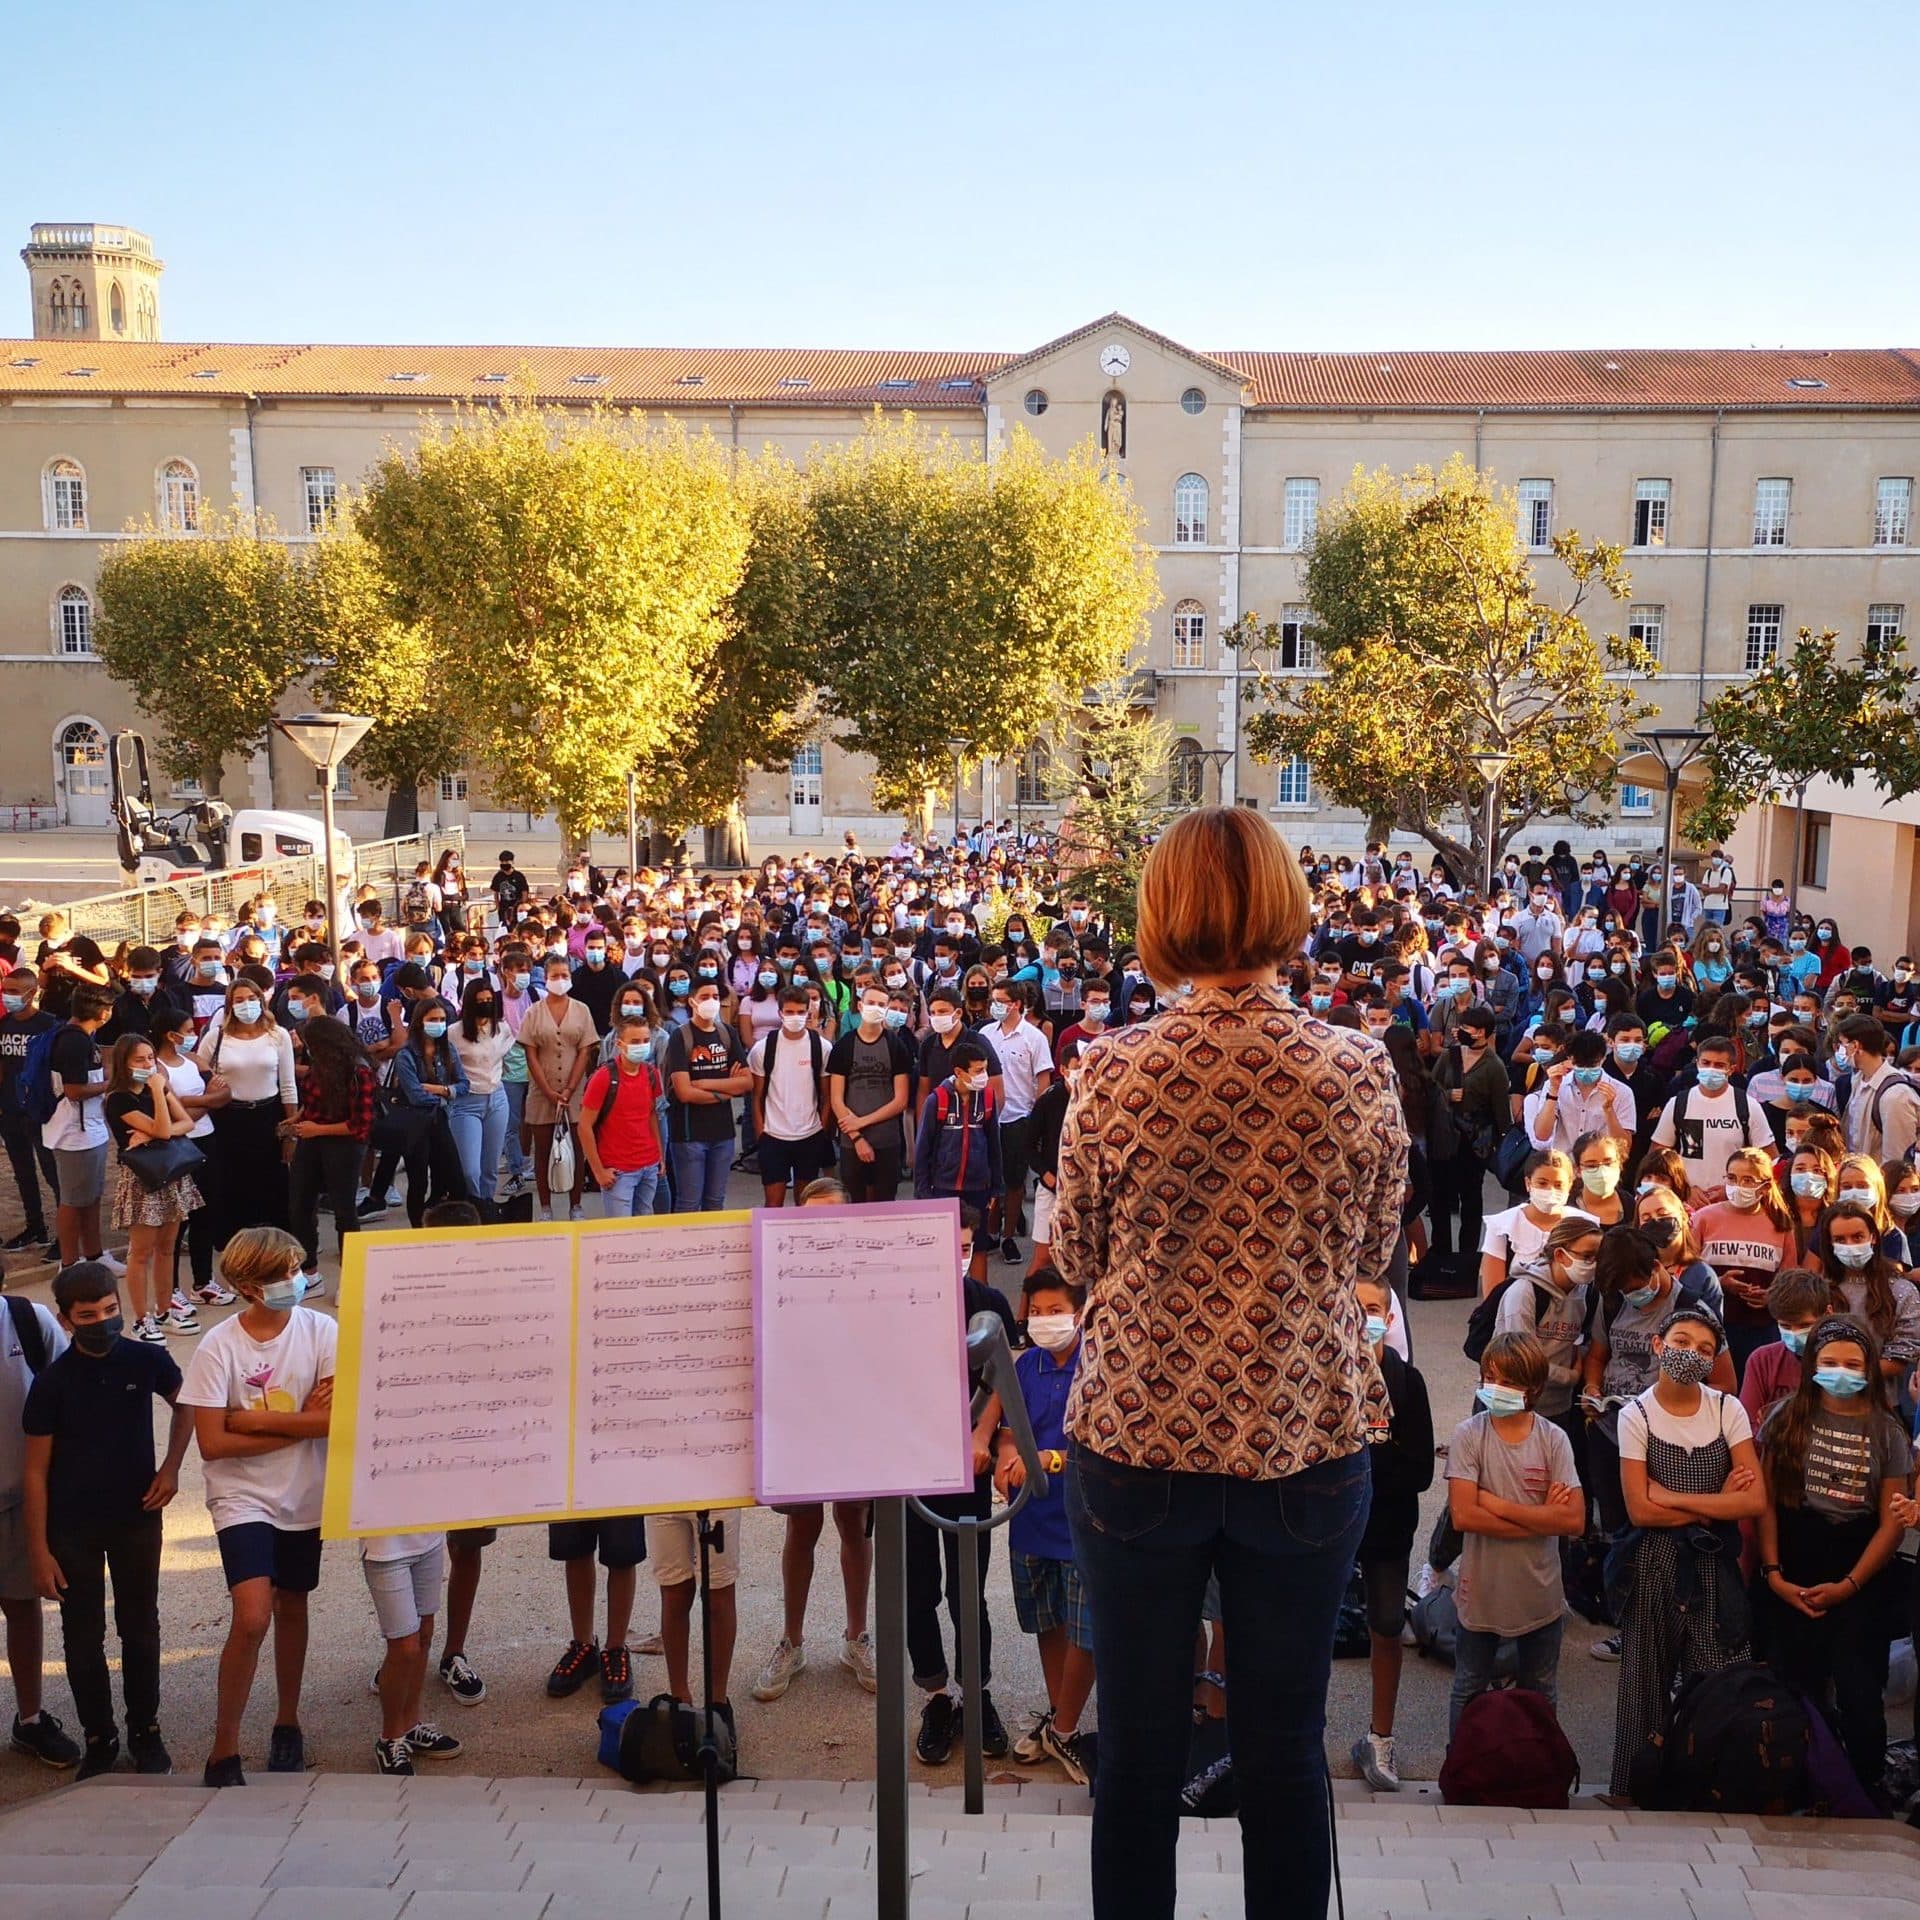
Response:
column 1706, row 583
column 733, row 430
column 253, row 452
column 1479, row 423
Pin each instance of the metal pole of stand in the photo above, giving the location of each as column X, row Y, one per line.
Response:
column 892, row 1874
column 972, row 1685
column 710, row 1534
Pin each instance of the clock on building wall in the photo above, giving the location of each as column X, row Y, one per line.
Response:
column 1114, row 360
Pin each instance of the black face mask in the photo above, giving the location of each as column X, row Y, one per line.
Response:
column 1661, row 1232
column 96, row 1340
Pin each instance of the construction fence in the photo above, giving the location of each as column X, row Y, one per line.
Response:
column 145, row 916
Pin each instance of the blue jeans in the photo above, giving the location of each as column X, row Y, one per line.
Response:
column 631, row 1193
column 700, row 1169
column 479, row 1123
column 1145, row 1544
column 519, row 1167
column 1473, row 1658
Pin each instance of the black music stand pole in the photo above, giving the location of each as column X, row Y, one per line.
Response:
column 712, row 1534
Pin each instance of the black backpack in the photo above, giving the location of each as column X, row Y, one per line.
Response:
column 1741, row 1112
column 29, row 1332
column 1481, row 1321
column 1736, row 1741
column 661, row 1741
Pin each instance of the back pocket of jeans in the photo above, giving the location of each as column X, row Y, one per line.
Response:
column 1319, row 1505
column 1124, row 1503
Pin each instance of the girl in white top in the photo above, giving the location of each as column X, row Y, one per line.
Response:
column 1520, row 1233
column 254, row 1055
column 200, row 1094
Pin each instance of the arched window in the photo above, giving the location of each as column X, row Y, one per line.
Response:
column 179, row 498
column 1030, row 783
column 66, row 502
column 1189, row 634
column 57, row 307
column 1186, row 777
column 143, row 314
column 73, row 624
column 78, row 309
column 117, row 308
column 1190, row 511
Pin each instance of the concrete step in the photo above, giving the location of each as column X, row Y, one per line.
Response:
column 440, row 1847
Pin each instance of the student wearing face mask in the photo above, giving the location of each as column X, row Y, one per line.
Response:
column 1688, row 1477
column 869, row 1087
column 1797, row 1301
column 330, row 1138
column 791, row 1108
column 479, row 1115
column 1599, row 1167
column 619, row 1125
column 1474, row 1084
column 1707, row 1121
column 1746, row 1238
column 1045, row 1124
column 145, row 995
column 1835, row 1460
column 1520, row 1233
column 1883, row 1102
column 254, row 1056
column 1548, row 1302
column 559, row 1040
column 1667, row 999
column 1864, row 1284
column 706, row 1070
column 946, row 1027
column 1577, row 1097
column 429, row 1079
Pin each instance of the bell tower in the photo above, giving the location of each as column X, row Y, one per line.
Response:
column 92, row 282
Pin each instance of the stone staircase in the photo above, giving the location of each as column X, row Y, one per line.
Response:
column 359, row 1847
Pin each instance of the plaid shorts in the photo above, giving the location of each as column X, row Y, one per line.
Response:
column 1049, row 1594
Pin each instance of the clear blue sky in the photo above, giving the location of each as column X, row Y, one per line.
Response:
column 984, row 176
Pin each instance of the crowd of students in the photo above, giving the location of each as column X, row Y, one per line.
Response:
column 1697, row 1371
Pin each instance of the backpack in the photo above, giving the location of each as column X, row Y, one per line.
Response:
column 1510, row 1157
column 1443, row 1130
column 1481, row 1321
column 816, row 1048
column 1736, row 1740
column 416, row 903
column 29, row 1332
column 1886, row 1086
column 38, row 1101
column 1742, row 1112
column 613, row 1092
column 661, row 1741
column 1509, row 1751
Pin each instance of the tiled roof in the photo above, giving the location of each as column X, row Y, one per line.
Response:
column 687, row 377
column 1554, row 381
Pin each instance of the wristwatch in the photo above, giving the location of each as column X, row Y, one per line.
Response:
column 1769, row 1568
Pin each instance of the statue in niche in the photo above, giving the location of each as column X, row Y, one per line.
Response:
column 1113, row 426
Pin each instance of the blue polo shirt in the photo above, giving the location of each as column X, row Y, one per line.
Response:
column 1039, row 1529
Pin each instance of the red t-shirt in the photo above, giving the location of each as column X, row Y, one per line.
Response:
column 629, row 1136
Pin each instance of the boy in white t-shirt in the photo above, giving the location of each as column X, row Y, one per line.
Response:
column 261, row 1385
column 406, row 1573
column 1710, row 1121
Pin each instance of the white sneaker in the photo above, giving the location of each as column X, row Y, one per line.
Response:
column 1429, row 1579
column 112, row 1262
column 149, row 1330
column 182, row 1318
column 214, row 1294
column 783, row 1663
column 857, row 1657
column 1031, row 1747
column 316, row 1284
column 1373, row 1755
column 395, row 1198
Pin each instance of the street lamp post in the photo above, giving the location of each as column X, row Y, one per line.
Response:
column 326, row 739
column 1490, row 764
column 1218, row 758
column 1676, row 748
column 633, row 827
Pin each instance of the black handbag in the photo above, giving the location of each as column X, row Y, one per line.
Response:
column 159, row 1163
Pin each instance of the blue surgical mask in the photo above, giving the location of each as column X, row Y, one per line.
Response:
column 679, row 989
column 896, row 1017
column 1376, row 1330
column 1641, row 1296
column 596, row 956
column 297, row 1010
column 768, row 977
column 1794, row 1339
column 1810, row 1186
column 1319, row 1002
column 15, row 1002
column 1842, row 1382
column 1712, row 1079
column 1627, row 1052
column 635, row 1055
column 278, row 1296
column 1586, row 1076
column 145, row 984
column 139, row 1075
column 1498, row 1399
column 1799, row 1092
column 1856, row 1256
column 473, row 968
column 434, row 1029
column 709, row 973
column 366, row 990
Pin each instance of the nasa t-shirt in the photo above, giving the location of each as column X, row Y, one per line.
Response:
column 232, row 1369
column 1710, row 1132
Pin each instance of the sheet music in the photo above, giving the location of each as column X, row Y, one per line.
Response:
column 664, row 1359
column 463, row 1404
column 861, row 1352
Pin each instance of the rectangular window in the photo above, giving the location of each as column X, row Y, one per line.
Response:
column 1815, row 852
column 343, row 781
column 1536, row 513
column 1648, row 625
column 1302, row 513
column 1892, row 513
column 1763, row 635
column 1189, row 635
column 317, row 484
column 76, row 626
column 69, row 503
column 1885, row 621
column 1296, row 640
column 1294, row 785
column 1651, row 499
column 1771, row 499
column 453, row 786
column 1635, row 801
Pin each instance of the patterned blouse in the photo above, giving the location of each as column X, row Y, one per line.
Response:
column 1228, row 1171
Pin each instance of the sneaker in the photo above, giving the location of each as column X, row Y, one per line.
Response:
column 1429, row 1579
column 1373, row 1755
column 181, row 1318
column 784, row 1663
column 1031, row 1747
column 149, row 1752
column 102, row 1755
column 29, row 1237
column 286, row 1751
column 616, row 1675
column 373, row 1685
column 429, row 1743
column 993, row 1735
column 1069, row 1749
column 370, row 1208
column 856, row 1655
column 395, row 1198
column 652, row 1646
column 934, row 1742
column 1010, row 1251
column 149, row 1329
column 46, row 1740
column 316, row 1284
column 223, row 1773
column 393, row 1756
column 112, row 1261
column 51, row 1251
column 1607, row 1649
column 214, row 1294
column 571, row 1670
column 461, row 1681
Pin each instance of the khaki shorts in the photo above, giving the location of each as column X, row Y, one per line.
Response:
column 673, row 1548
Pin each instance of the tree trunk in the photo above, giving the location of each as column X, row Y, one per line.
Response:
column 1380, row 827
column 727, row 845
column 920, row 822
column 403, row 811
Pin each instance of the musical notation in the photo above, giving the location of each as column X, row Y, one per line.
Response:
column 852, row 1296
column 738, row 1451
column 476, row 1462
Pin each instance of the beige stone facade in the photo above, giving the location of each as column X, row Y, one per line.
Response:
column 1755, row 491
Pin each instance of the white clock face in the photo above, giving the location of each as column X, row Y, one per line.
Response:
column 1115, row 360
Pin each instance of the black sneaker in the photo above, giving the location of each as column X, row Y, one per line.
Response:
column 461, row 1681
column 51, row 1251
column 370, row 1208
column 616, row 1675
column 994, row 1744
column 102, row 1755
column 934, row 1742
column 570, row 1671
column 47, row 1741
column 31, row 1237
column 429, row 1743
column 393, row 1756
column 224, row 1773
column 149, row 1752
column 286, row 1751
column 1010, row 1251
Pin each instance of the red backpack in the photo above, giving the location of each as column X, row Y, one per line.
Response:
column 1509, row 1751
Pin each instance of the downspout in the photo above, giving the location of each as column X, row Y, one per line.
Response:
column 733, row 431
column 253, row 453
column 1479, row 423
column 1706, row 583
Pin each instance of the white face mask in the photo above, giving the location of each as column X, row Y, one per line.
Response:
column 559, row 983
column 789, row 1022
column 1547, row 1199
column 941, row 1022
column 1053, row 1332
